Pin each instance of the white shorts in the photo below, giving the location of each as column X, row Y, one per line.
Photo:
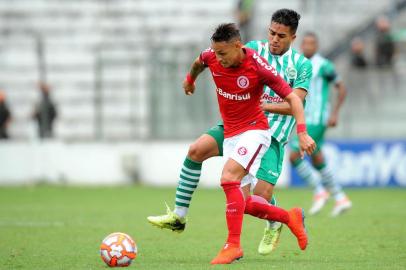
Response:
column 247, row 149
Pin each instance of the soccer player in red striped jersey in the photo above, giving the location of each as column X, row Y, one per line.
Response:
column 240, row 75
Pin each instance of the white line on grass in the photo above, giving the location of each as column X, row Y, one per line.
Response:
column 31, row 224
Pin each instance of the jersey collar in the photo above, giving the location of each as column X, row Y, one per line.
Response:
column 288, row 52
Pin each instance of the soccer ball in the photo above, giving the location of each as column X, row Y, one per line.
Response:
column 118, row 249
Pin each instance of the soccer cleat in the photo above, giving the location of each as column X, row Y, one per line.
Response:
column 170, row 221
column 341, row 206
column 229, row 253
column 297, row 226
column 319, row 201
column 270, row 240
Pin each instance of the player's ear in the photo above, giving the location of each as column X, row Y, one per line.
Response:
column 238, row 44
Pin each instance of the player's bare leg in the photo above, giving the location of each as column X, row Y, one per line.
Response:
column 203, row 148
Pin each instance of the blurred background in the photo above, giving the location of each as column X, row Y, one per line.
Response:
column 91, row 90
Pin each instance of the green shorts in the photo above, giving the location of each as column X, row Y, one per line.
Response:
column 271, row 163
column 217, row 132
column 316, row 132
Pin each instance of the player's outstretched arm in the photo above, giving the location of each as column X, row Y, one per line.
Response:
column 283, row 107
column 306, row 143
column 189, row 82
column 270, row 77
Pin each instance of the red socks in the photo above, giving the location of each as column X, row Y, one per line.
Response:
column 235, row 205
column 258, row 207
column 254, row 205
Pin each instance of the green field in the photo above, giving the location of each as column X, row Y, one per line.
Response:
column 61, row 228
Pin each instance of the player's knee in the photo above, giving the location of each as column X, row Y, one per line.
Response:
column 196, row 153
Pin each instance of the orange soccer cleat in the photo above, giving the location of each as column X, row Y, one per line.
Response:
column 297, row 226
column 229, row 253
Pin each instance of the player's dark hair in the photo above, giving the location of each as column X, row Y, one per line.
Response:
column 287, row 17
column 226, row 32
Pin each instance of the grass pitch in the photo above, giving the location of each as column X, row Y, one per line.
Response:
column 61, row 228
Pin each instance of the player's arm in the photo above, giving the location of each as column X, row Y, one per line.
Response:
column 189, row 83
column 306, row 143
column 284, row 107
column 342, row 93
column 300, row 87
column 270, row 78
column 329, row 74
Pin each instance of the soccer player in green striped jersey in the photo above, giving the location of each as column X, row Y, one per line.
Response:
column 318, row 119
column 297, row 71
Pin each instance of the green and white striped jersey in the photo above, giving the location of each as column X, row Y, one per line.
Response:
column 296, row 70
column 317, row 101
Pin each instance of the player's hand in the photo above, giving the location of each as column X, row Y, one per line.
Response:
column 306, row 144
column 188, row 87
column 332, row 121
column 265, row 106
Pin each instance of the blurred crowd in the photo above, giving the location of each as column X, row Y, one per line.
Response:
column 44, row 114
column 384, row 47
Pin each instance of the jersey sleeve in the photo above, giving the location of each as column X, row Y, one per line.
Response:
column 304, row 76
column 205, row 56
column 330, row 73
column 269, row 76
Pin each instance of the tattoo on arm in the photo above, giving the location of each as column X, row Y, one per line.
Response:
column 197, row 68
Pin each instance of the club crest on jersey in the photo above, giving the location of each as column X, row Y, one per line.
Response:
column 243, row 82
column 242, row 151
column 291, row 73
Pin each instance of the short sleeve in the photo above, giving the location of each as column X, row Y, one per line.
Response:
column 304, row 76
column 205, row 56
column 329, row 72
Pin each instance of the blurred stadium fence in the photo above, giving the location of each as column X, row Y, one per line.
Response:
column 356, row 163
column 116, row 69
